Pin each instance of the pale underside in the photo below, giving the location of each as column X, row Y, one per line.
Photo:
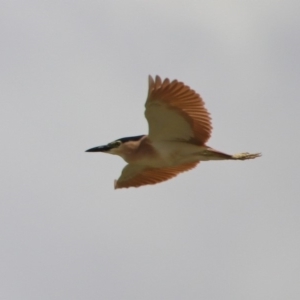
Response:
column 175, row 114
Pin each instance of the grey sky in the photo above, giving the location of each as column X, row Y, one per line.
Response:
column 74, row 76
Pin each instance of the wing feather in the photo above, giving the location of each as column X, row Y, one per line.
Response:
column 136, row 175
column 176, row 112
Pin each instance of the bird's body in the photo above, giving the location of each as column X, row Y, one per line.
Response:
column 164, row 153
column 179, row 126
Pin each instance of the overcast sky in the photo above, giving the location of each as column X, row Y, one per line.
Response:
column 74, row 76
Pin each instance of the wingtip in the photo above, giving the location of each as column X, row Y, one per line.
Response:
column 115, row 184
column 157, row 80
column 150, row 80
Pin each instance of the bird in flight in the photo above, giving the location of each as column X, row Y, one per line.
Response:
column 179, row 127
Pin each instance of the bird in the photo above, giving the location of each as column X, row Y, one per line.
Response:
column 179, row 127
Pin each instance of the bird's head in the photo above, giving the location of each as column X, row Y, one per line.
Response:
column 116, row 147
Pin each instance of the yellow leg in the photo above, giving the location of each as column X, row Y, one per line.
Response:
column 246, row 155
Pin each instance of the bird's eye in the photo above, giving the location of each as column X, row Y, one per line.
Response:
column 115, row 144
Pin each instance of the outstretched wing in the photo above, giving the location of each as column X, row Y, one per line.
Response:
column 134, row 175
column 176, row 112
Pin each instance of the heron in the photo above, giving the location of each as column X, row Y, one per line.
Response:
column 179, row 127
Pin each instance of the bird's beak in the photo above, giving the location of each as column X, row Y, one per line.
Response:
column 99, row 149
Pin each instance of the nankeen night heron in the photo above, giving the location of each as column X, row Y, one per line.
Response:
column 179, row 127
